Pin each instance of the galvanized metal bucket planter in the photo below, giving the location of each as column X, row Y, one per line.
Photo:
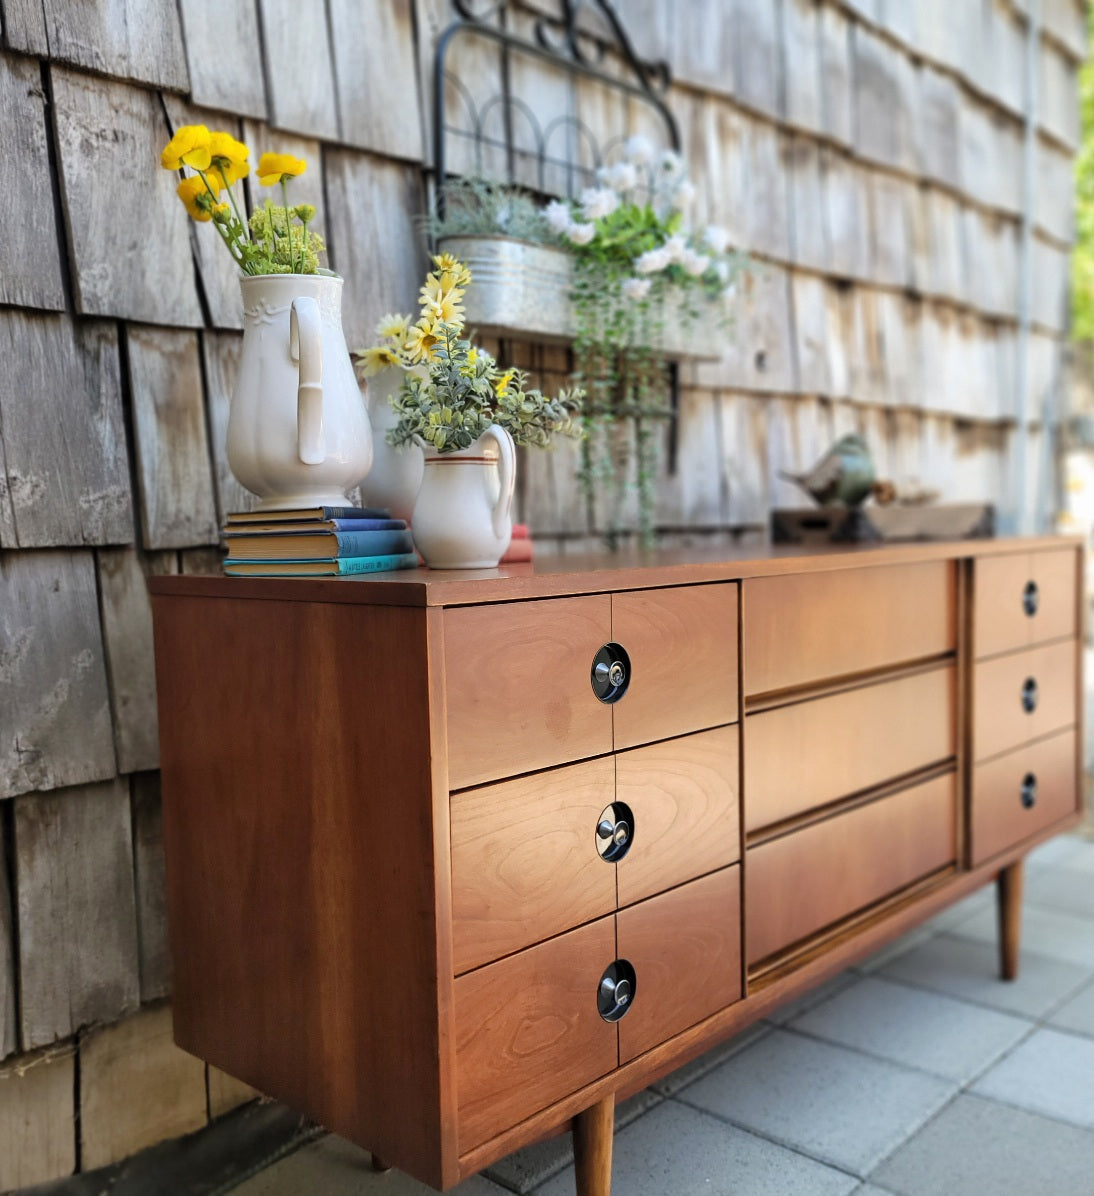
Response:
column 521, row 289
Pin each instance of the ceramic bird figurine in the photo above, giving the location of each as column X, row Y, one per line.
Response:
column 845, row 474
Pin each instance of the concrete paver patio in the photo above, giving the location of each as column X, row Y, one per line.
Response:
column 916, row 1073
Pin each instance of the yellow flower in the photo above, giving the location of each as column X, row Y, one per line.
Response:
column 446, row 309
column 188, row 147
column 420, row 339
column 228, row 158
column 503, row 383
column 222, row 214
column 393, row 327
column 448, row 263
column 195, row 195
column 371, row 361
column 275, row 168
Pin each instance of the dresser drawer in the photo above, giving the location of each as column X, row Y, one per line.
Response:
column 1023, row 792
column 804, row 881
column 685, row 948
column 682, row 644
column 1024, row 599
column 1023, row 696
column 805, row 628
column 524, row 860
column 809, row 753
column 683, row 797
column 517, row 686
column 528, row 1031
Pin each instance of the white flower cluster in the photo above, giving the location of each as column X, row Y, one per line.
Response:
column 641, row 176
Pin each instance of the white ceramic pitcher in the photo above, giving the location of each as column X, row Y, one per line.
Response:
column 298, row 430
column 463, row 513
column 396, row 474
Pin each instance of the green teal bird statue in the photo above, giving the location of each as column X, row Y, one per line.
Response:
column 845, row 474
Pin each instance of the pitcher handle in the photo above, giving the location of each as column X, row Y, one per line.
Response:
column 306, row 348
column 507, row 472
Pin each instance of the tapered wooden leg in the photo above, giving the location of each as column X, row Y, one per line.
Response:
column 378, row 1164
column 1008, row 892
column 593, row 1131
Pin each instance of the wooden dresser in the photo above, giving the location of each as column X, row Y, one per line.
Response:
column 457, row 859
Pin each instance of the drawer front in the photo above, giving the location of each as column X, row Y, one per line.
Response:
column 809, row 753
column 683, row 796
column 528, row 1031
column 1023, row 696
column 804, row 881
column 517, row 686
column 682, row 644
column 524, row 860
column 802, row 629
column 1023, row 792
column 685, row 948
column 1024, row 599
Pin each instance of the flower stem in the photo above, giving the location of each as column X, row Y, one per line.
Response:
column 235, row 206
column 288, row 230
column 233, row 249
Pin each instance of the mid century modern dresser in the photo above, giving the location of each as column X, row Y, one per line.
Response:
column 457, row 859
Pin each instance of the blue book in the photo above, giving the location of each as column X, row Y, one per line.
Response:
column 319, row 546
column 336, row 567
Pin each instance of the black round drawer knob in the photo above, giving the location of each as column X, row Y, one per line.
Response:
column 611, row 673
column 1030, row 598
column 1029, row 791
column 614, row 831
column 1029, row 695
column 616, row 989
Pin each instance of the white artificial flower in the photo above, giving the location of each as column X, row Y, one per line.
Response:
column 557, row 215
column 683, row 195
column 695, row 264
column 598, row 202
column 721, row 270
column 639, row 150
column 636, row 288
column 671, row 163
column 652, row 261
column 581, row 234
column 622, row 177
column 676, row 247
column 730, row 293
column 716, row 238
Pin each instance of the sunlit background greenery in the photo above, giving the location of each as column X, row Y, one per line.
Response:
column 1082, row 261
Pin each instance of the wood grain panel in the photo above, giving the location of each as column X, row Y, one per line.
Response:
column 524, row 860
column 1000, row 818
column 682, row 644
column 1000, row 623
column 37, row 1113
column 303, row 866
column 683, row 794
column 809, row 753
column 806, row 628
column 299, row 69
column 1000, row 721
column 151, row 886
column 75, row 908
column 518, row 689
column 801, row 882
column 223, row 52
column 528, row 1031
column 685, row 947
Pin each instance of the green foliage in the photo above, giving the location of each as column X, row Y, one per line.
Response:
column 477, row 207
column 1082, row 258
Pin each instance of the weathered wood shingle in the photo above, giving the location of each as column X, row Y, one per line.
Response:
column 299, row 67
column 77, row 918
column 130, row 256
column 64, row 473
column 223, row 51
column 9, row 1040
column 220, row 353
column 30, row 263
column 54, row 710
column 38, row 1121
column 151, row 888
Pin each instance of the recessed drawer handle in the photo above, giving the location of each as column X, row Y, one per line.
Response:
column 1030, row 598
column 614, row 831
column 616, row 990
column 1029, row 791
column 611, row 673
column 1029, row 695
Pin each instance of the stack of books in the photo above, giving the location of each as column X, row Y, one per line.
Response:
column 316, row 542
column 520, row 546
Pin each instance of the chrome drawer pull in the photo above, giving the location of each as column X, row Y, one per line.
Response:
column 1030, row 598
column 614, row 831
column 1029, row 695
column 611, row 673
column 1029, row 791
column 616, row 990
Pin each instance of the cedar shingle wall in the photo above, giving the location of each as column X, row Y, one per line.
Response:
column 867, row 153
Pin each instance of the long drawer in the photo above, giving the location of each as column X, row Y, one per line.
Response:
column 798, row 884
column 804, row 628
column 1024, row 599
column 1023, row 696
column 809, row 753
column 1016, row 795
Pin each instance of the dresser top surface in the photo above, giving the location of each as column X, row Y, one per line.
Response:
column 558, row 576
